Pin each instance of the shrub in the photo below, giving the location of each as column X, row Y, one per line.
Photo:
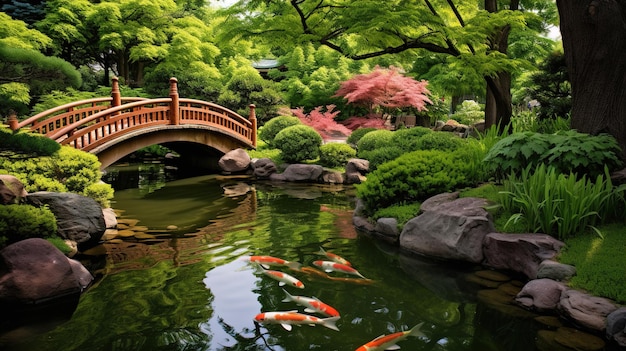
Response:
column 357, row 134
column 27, row 142
column 567, row 151
column 336, row 154
column 443, row 141
column 19, row 222
column 408, row 138
column 271, row 128
column 381, row 155
column 101, row 192
column 560, row 205
column 401, row 212
column 412, row 177
column 298, row 143
column 374, row 140
column 468, row 113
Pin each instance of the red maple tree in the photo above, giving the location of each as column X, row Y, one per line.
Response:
column 323, row 121
column 386, row 88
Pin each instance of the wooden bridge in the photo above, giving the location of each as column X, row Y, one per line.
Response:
column 113, row 127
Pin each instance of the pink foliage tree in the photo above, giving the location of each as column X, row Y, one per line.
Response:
column 323, row 121
column 386, row 89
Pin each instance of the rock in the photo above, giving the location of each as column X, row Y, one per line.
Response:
column 356, row 169
column 555, row 271
column 453, row 230
column 616, row 326
column 332, row 177
column 14, row 185
column 520, row 253
column 303, row 173
column 362, row 224
column 110, row 218
column 434, row 201
column 34, row 270
column 586, row 310
column 387, row 227
column 236, row 160
column 7, row 197
column 79, row 217
column 577, row 340
column 541, row 295
column 263, row 168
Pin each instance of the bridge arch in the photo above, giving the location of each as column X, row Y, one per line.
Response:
column 114, row 127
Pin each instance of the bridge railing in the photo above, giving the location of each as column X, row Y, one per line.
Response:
column 89, row 123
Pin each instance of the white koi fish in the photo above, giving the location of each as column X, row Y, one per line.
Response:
column 283, row 278
column 312, row 305
column 333, row 257
column 330, row 266
column 289, row 318
column 267, row 261
column 388, row 342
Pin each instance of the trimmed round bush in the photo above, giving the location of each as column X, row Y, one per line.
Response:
column 336, row 154
column 298, row 143
column 373, row 140
column 443, row 141
column 381, row 155
column 412, row 177
column 19, row 222
column 408, row 138
column 357, row 134
column 271, row 128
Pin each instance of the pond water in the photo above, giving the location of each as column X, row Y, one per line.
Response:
column 187, row 284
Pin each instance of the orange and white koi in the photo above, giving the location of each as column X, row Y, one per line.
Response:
column 267, row 261
column 330, row 266
column 388, row 342
column 312, row 305
column 333, row 257
column 283, row 278
column 288, row 318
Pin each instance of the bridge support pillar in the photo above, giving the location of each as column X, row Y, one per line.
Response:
column 13, row 122
column 174, row 105
column 252, row 118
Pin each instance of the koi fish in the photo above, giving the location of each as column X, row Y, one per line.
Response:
column 288, row 318
column 312, row 305
column 267, row 261
column 333, row 257
column 283, row 278
column 330, row 266
column 388, row 342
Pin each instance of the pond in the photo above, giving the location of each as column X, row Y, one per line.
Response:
column 187, row 282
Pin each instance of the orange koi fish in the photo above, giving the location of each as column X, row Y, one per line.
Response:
column 330, row 266
column 312, row 305
column 283, row 278
column 267, row 261
column 333, row 257
column 388, row 342
column 288, row 318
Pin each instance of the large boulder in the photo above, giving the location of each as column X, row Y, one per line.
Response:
column 79, row 218
column 452, row 230
column 356, row 169
column 263, row 168
column 234, row 161
column 522, row 253
column 616, row 326
column 34, row 270
column 541, row 295
column 303, row 173
column 585, row 310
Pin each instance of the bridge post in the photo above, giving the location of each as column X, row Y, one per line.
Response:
column 13, row 121
column 115, row 92
column 252, row 118
column 174, row 104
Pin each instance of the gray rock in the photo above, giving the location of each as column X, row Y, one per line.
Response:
column 236, row 160
column 11, row 190
column 387, row 227
column 332, row 177
column 586, row 310
column 79, row 217
column 555, row 270
column 303, row 173
column 616, row 325
column 519, row 252
column 263, row 168
column 356, row 169
column 434, row 201
column 34, row 270
column 453, row 230
column 110, row 219
column 541, row 295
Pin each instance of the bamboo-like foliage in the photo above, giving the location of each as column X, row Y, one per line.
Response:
column 560, row 205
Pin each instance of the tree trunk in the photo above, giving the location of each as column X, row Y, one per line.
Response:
column 594, row 43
